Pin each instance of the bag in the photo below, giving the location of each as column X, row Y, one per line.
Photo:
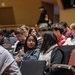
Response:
column 55, row 54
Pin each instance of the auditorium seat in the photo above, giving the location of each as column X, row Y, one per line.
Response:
column 33, row 67
column 68, row 61
column 67, row 49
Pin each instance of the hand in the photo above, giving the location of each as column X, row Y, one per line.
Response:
column 21, row 52
column 17, row 58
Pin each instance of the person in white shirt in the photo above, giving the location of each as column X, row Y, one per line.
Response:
column 71, row 40
column 8, row 65
column 48, row 53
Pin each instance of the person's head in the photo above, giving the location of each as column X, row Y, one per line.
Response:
column 31, row 42
column 42, row 29
column 20, row 34
column 25, row 29
column 57, row 30
column 32, row 31
column 49, row 39
column 12, row 33
column 43, row 10
column 64, row 26
column 72, row 27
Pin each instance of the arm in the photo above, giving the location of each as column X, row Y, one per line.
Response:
column 12, row 69
column 8, row 64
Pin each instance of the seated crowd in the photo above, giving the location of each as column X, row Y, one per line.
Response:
column 27, row 43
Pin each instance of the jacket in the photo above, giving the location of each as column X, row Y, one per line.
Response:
column 32, row 54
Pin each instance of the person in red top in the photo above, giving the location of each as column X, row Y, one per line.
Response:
column 58, row 32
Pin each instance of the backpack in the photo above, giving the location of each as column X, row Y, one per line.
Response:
column 54, row 54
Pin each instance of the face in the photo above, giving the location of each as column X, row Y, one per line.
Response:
column 65, row 29
column 33, row 32
column 31, row 42
column 55, row 32
column 73, row 32
column 20, row 37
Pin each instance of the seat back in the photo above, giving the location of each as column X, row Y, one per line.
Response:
column 33, row 67
column 61, row 71
column 72, row 58
column 69, row 58
column 67, row 49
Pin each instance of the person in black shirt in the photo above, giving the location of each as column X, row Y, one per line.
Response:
column 44, row 18
column 20, row 36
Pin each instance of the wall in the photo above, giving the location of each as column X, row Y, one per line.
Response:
column 67, row 15
column 25, row 11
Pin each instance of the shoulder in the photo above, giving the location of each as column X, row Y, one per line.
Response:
column 36, row 50
column 1, row 49
column 17, row 42
column 5, row 58
column 5, row 54
column 68, row 39
column 57, row 50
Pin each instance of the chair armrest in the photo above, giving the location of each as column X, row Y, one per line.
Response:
column 63, row 66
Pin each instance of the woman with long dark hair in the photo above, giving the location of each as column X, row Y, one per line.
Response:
column 48, row 52
column 31, row 50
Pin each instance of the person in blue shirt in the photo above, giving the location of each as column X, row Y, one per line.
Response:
column 31, row 50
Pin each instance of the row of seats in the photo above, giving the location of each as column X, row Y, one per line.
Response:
column 38, row 67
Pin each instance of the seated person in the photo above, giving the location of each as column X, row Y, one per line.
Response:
column 58, row 32
column 31, row 50
column 67, row 31
column 34, row 32
column 21, row 39
column 4, row 41
column 8, row 66
column 48, row 52
column 71, row 40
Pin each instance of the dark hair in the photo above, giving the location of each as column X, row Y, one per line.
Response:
column 49, row 39
column 64, row 24
column 43, row 10
column 19, row 31
column 25, row 45
column 31, row 29
column 57, row 27
column 42, row 16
